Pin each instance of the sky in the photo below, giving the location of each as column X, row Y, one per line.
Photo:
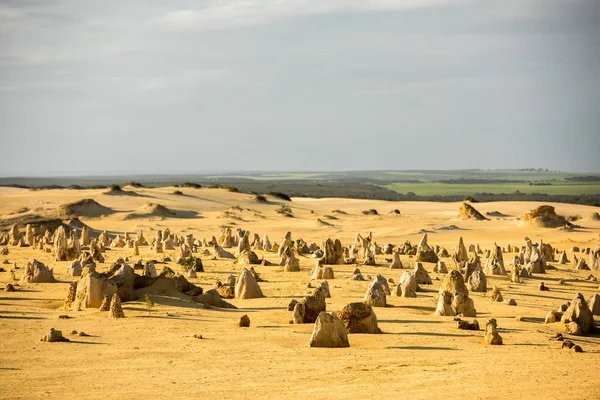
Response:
column 144, row 86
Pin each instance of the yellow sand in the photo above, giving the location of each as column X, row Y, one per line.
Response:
column 154, row 355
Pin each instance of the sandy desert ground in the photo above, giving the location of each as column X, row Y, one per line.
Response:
column 419, row 355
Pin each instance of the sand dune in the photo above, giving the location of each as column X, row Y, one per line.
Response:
column 149, row 210
column 84, row 208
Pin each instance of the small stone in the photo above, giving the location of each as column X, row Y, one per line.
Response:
column 244, row 321
column 54, row 336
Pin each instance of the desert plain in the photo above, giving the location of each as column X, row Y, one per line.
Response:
column 418, row 355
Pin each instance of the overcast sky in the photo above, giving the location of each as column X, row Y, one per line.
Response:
column 141, row 86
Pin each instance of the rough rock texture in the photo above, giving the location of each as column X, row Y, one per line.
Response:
column 36, row 272
column 444, row 305
column 124, row 280
column 563, row 259
column 383, row 283
column 71, row 294
column 298, row 315
column 105, row 306
column 211, row 298
column 466, row 325
column 226, row 292
column 333, row 252
column 116, row 310
column 491, row 334
column 317, row 272
column 328, row 273
column 579, row 313
column 553, row 316
column 467, row 211
column 421, row 275
column 63, row 250
column 329, row 331
column 246, row 286
column 244, row 321
column 396, row 262
column 313, row 305
column 453, row 283
column 292, row 264
column 54, row 336
column 427, row 255
column 496, row 295
column 595, row 304
column 473, row 264
column 595, row 259
column 325, row 287
column 407, row 285
column 247, row 257
column 14, row 235
column 150, row 270
column 477, row 282
column 440, row 268
column 547, row 251
column 359, row 318
column 91, row 289
column 495, row 264
column 244, row 244
column 375, row 295
column 546, row 217
column 463, row 305
column 536, row 264
column 460, row 252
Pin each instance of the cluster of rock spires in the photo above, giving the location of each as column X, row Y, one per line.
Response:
column 467, row 211
column 107, row 291
column 545, row 216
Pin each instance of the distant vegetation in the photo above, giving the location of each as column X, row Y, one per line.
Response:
column 189, row 185
column 533, row 184
column 261, row 198
column 285, row 210
column 280, row 195
column 115, row 188
column 371, row 211
column 230, row 188
column 587, row 178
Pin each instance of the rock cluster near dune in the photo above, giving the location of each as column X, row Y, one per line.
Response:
column 467, row 211
column 546, row 217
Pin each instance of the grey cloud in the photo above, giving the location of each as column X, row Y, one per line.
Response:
column 108, row 86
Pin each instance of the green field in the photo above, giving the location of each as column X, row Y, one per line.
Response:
column 433, row 185
column 403, row 176
column 446, row 189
